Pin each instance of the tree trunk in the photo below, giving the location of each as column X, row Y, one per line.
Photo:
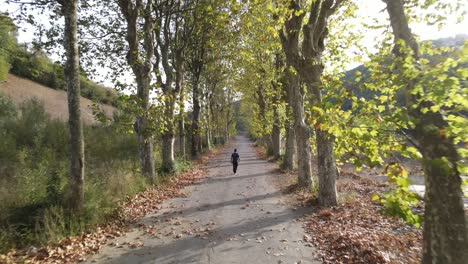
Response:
column 262, row 105
column 182, row 142
column 145, row 149
column 179, row 80
column 290, row 146
column 168, row 137
column 278, row 94
column 141, row 67
column 290, row 150
column 168, row 164
column 208, row 138
column 276, row 130
column 290, row 42
column 208, row 123
column 145, row 140
column 445, row 238
column 326, row 164
column 276, row 141
column 196, row 120
column 301, row 131
column 72, row 74
column 327, row 170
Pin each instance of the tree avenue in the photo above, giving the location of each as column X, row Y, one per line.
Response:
column 192, row 74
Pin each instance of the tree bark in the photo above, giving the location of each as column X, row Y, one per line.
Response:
column 326, row 164
column 72, row 74
column 276, row 136
column 327, row 170
column 306, row 60
column 168, row 137
column 208, row 138
column 290, row 146
column 445, row 238
column 208, row 100
column 196, row 141
column 290, row 42
column 145, row 140
column 276, row 130
column 141, row 67
column 168, row 164
column 301, row 132
column 290, row 150
column 182, row 142
column 262, row 105
column 180, row 72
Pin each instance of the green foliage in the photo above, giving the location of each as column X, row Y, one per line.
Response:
column 7, row 44
column 34, row 175
column 262, row 65
column 4, row 67
column 399, row 200
column 182, row 165
column 379, row 117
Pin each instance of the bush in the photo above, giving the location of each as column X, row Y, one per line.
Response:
column 34, row 175
column 39, row 68
column 7, row 43
column 4, row 67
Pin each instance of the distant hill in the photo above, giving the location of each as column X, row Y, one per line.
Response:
column 456, row 41
column 19, row 90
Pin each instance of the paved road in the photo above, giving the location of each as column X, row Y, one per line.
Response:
column 226, row 218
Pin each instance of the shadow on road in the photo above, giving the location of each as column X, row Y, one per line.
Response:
column 189, row 249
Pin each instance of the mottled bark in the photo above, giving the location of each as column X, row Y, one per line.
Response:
column 290, row 145
column 276, row 136
column 326, row 163
column 196, row 65
column 276, row 129
column 306, row 60
column 445, row 238
column 180, row 72
column 208, row 118
column 290, row 43
column 262, row 105
column 290, row 149
column 315, row 33
column 182, row 141
column 327, row 170
column 229, row 118
column 301, row 131
column 166, row 52
column 145, row 140
column 168, row 164
column 208, row 138
column 168, row 137
column 72, row 75
column 196, row 140
column 141, row 67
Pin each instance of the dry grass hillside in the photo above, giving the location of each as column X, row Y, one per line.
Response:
column 55, row 101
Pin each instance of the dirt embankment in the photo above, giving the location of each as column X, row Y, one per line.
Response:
column 55, row 101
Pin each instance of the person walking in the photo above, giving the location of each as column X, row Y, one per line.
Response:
column 235, row 158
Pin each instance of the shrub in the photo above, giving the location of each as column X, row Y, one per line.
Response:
column 39, row 68
column 34, row 175
column 4, row 66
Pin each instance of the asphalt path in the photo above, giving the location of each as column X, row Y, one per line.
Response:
column 225, row 218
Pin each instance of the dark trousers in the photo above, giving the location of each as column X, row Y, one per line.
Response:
column 234, row 166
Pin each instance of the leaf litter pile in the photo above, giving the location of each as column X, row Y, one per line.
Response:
column 76, row 249
column 355, row 232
